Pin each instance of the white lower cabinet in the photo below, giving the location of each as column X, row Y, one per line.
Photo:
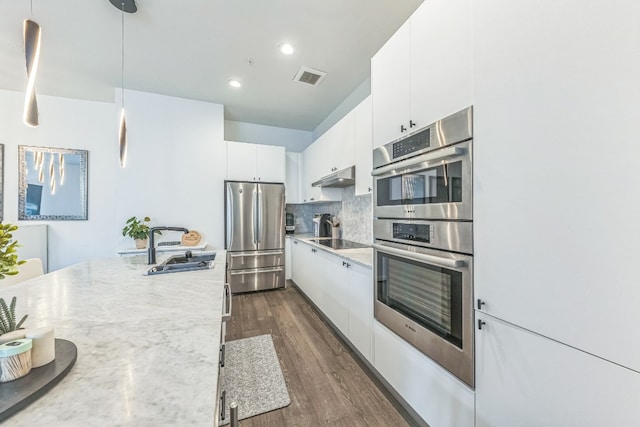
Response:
column 359, row 286
column 342, row 290
column 524, row 379
column 437, row 396
column 287, row 259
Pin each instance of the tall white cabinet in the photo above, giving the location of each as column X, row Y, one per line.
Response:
column 363, row 146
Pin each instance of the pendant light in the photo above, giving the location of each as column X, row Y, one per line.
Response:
column 128, row 6
column 31, row 32
column 122, row 133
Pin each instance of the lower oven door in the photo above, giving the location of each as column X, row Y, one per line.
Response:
column 426, row 297
column 256, row 279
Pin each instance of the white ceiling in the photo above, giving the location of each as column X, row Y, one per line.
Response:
column 190, row 48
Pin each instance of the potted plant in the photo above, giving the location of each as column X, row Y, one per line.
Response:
column 137, row 230
column 8, row 256
column 8, row 317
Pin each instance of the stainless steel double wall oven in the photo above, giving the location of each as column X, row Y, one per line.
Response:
column 423, row 241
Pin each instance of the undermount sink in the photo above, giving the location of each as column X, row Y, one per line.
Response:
column 186, row 262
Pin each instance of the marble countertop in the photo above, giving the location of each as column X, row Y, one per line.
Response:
column 362, row 256
column 147, row 345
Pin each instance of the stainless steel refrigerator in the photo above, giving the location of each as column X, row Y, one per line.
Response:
column 254, row 235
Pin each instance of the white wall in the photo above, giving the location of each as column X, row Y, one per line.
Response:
column 293, row 140
column 174, row 174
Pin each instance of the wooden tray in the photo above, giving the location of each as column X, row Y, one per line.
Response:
column 15, row 395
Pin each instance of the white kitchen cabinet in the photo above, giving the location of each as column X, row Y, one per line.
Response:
column 424, row 72
column 556, row 213
column 287, row 259
column 337, row 147
column 358, row 285
column 525, row 379
column 436, row 395
column 330, row 289
column 364, row 147
column 312, row 157
column 293, row 177
column 255, row 162
column 391, row 86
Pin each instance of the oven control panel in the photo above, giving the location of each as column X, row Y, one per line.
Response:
column 413, row 143
column 412, row 232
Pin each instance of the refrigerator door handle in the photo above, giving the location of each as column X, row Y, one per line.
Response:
column 255, row 253
column 256, row 221
column 259, row 217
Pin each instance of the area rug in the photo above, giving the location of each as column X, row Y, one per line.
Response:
column 252, row 377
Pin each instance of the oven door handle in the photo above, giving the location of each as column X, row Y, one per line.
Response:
column 445, row 262
column 438, row 155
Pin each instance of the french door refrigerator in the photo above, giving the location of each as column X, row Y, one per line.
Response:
column 254, row 235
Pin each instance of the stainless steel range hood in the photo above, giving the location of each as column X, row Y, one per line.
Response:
column 339, row 179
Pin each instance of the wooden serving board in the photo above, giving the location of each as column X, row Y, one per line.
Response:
column 15, row 395
column 191, row 238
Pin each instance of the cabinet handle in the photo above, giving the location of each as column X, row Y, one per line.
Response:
column 314, row 251
column 480, row 304
column 481, row 323
column 312, row 199
column 295, row 242
column 222, row 356
column 369, row 189
column 411, row 123
column 344, row 263
column 223, row 403
column 402, row 128
column 348, row 265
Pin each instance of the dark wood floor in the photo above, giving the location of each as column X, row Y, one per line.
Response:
column 326, row 384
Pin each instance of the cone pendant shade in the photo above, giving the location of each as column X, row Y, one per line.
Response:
column 32, row 56
column 122, row 138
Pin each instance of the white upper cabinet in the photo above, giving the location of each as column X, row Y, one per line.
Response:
column 424, row 72
column 364, row 147
column 338, row 146
column 293, row 177
column 391, row 87
column 255, row 162
column 313, row 162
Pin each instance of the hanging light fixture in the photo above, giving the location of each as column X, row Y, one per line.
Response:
column 128, row 6
column 31, row 32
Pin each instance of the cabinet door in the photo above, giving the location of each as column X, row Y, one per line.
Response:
column 241, row 161
column 436, row 395
column 311, row 158
column 270, row 163
column 364, row 147
column 441, row 60
column 297, row 265
column 391, row 87
column 335, row 294
column 293, row 178
column 524, row 379
column 287, row 259
column 338, row 149
column 359, row 287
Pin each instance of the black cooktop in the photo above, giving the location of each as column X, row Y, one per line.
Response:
column 339, row 244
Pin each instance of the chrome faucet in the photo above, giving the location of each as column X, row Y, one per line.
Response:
column 152, row 248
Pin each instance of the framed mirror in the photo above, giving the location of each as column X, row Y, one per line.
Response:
column 52, row 183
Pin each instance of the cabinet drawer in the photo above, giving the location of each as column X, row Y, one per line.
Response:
column 256, row 279
column 248, row 260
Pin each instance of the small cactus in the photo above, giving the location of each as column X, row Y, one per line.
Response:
column 8, row 317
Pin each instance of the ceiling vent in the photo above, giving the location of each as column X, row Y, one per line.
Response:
column 309, row 76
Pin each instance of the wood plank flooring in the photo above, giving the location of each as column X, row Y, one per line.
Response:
column 326, row 382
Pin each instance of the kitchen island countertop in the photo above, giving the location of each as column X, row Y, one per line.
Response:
column 147, row 345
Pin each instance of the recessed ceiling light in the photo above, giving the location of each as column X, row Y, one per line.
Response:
column 234, row 83
column 286, row 48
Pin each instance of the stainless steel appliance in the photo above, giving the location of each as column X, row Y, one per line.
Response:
column 290, row 226
column 423, row 241
column 425, row 295
column 254, row 235
column 321, row 225
column 427, row 174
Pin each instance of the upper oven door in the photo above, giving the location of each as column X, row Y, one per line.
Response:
column 435, row 185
